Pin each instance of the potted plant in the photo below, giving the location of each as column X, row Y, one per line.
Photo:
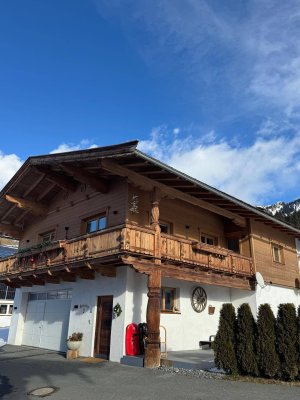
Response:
column 74, row 341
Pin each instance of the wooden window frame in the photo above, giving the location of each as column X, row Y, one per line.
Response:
column 48, row 230
column 169, row 226
column 95, row 217
column 209, row 236
column 175, row 308
column 84, row 219
column 281, row 260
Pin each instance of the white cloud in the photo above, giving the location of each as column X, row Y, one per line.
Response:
column 9, row 164
column 248, row 53
column 65, row 147
column 257, row 173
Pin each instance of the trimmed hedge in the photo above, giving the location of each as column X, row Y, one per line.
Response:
column 286, row 331
column 245, row 341
column 224, row 344
column 267, row 357
column 269, row 348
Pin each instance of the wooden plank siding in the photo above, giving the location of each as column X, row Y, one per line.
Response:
column 187, row 221
column 70, row 209
column 284, row 273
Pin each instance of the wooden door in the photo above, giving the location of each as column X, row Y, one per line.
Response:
column 103, row 326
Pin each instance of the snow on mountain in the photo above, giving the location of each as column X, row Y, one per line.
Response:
column 281, row 207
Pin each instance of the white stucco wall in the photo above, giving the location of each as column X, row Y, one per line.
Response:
column 5, row 319
column 186, row 329
column 275, row 295
column 82, row 319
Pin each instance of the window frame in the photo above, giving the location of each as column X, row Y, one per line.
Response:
column 6, row 309
column 41, row 236
column 175, row 307
column 168, row 225
column 210, row 237
column 280, row 253
column 97, row 218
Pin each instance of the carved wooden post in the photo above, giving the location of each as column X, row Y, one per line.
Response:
column 155, row 225
column 152, row 350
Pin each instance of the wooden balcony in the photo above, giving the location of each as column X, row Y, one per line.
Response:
column 111, row 246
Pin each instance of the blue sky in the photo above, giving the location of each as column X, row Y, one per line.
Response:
column 210, row 87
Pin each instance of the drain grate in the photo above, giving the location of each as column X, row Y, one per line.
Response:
column 43, row 391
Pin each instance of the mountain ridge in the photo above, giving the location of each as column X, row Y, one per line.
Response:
column 288, row 212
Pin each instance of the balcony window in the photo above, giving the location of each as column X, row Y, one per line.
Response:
column 47, row 237
column 96, row 224
column 207, row 239
column 10, row 310
column 165, row 227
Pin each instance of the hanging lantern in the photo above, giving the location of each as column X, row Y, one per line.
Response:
column 32, row 260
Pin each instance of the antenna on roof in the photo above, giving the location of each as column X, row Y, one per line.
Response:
column 260, row 280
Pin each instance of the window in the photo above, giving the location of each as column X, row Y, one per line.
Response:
column 11, row 307
column 47, row 236
column 165, row 227
column 277, row 253
column 207, row 239
column 96, row 224
column 3, row 308
column 53, row 295
column 168, row 299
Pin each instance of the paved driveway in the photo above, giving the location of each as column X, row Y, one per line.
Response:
column 23, row 369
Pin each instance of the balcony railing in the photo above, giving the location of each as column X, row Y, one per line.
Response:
column 133, row 239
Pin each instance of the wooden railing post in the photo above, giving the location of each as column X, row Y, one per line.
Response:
column 155, row 225
column 152, row 349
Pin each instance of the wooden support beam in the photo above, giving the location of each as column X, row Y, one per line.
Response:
column 97, row 183
column 149, row 184
column 31, row 206
column 60, row 180
column 67, row 277
column 107, row 270
column 190, row 274
column 87, row 274
column 51, row 279
column 10, row 230
column 152, row 350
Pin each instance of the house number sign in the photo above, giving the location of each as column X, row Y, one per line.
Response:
column 199, row 299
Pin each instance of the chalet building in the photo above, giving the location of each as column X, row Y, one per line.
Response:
column 111, row 227
column 8, row 247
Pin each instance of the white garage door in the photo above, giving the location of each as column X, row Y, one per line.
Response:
column 47, row 320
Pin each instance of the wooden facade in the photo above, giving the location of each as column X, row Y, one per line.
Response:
column 157, row 220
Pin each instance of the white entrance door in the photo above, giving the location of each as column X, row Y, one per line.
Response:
column 46, row 324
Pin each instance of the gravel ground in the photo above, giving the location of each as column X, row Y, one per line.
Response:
column 198, row 373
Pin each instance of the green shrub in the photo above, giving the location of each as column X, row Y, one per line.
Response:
column 286, row 331
column 224, row 345
column 245, row 341
column 267, row 357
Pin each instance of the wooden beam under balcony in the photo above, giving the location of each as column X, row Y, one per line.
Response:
column 10, row 230
column 149, row 184
column 97, row 183
column 34, row 208
column 63, row 182
column 190, row 274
